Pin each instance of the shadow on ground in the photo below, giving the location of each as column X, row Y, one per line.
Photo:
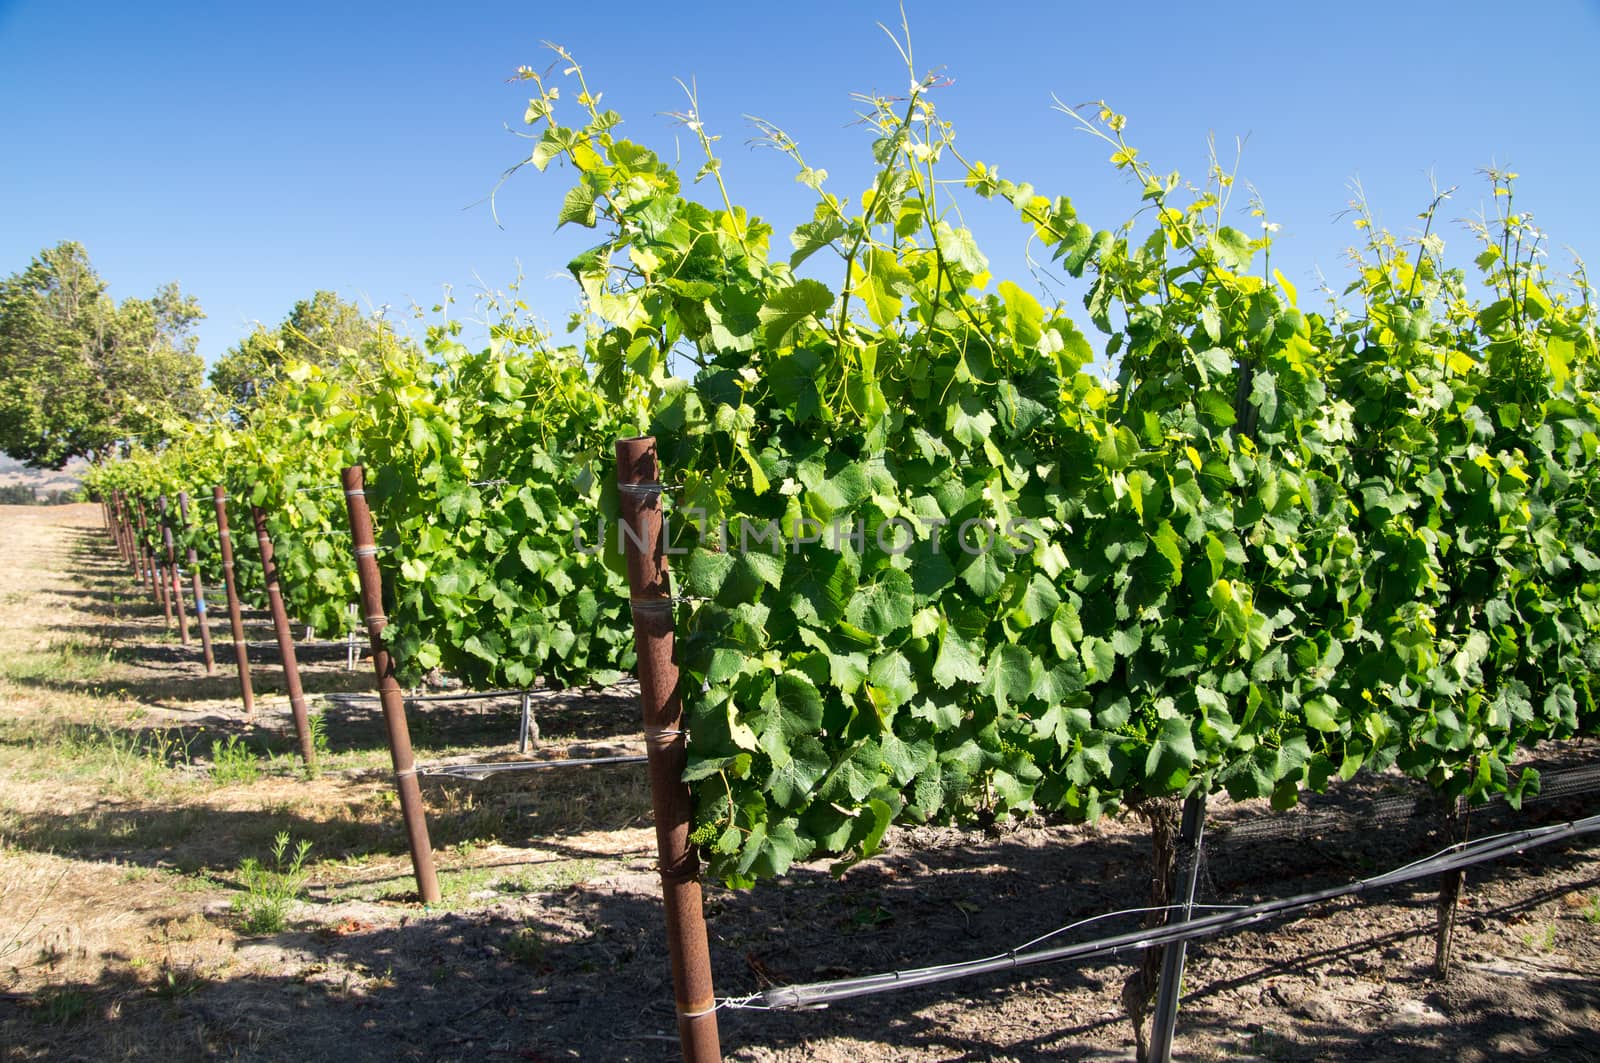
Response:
column 583, row 974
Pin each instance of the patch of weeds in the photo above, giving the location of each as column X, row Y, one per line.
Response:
column 58, row 1007
column 1542, row 942
column 233, row 762
column 1267, row 1043
column 526, row 947
column 871, row 915
column 192, row 882
column 270, row 891
column 126, row 759
column 468, row 820
column 424, row 730
column 472, row 885
column 173, row 984
column 70, row 662
column 1591, row 914
column 317, row 724
column 189, row 928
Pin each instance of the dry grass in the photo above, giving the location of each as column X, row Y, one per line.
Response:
column 131, row 792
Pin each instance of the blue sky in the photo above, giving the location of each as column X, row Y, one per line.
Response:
column 255, row 154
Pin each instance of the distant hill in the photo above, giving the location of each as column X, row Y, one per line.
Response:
column 14, row 473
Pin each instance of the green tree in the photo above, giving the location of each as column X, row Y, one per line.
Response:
column 81, row 374
column 315, row 331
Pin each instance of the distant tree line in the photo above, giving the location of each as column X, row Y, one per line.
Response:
column 83, row 376
column 28, row 495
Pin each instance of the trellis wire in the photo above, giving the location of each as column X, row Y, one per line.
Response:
column 484, row 770
column 1553, row 785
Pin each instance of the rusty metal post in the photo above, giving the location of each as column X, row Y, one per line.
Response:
column 638, row 482
column 173, row 573
column 136, row 539
column 116, row 527
column 149, row 557
column 122, row 532
column 241, row 654
column 389, row 694
column 129, row 550
column 159, row 572
column 130, row 534
column 280, row 624
column 199, row 589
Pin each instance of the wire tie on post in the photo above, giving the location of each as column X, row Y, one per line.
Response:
column 413, row 770
column 354, row 492
column 700, row 1013
column 661, row 603
column 658, row 734
column 366, row 551
column 644, row 489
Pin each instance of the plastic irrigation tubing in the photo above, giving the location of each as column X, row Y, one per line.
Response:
column 1490, row 849
column 476, row 695
column 817, row 994
column 478, row 771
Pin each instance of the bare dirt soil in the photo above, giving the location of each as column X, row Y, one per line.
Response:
column 129, row 928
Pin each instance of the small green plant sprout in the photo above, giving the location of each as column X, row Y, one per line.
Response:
column 270, row 891
column 233, row 762
column 1543, row 941
column 1587, row 906
column 318, row 724
column 173, row 983
column 60, row 1006
column 526, row 946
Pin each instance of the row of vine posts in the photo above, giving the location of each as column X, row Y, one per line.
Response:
column 651, row 603
column 1151, row 991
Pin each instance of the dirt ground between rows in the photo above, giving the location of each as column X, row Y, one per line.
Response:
column 121, row 937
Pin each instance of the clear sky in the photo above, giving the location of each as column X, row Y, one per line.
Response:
column 255, row 153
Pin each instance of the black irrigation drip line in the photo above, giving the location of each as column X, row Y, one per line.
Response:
column 472, row 695
column 481, row 771
column 821, row 994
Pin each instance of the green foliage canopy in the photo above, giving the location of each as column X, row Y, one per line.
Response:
column 315, row 332
column 82, row 375
column 1281, row 546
